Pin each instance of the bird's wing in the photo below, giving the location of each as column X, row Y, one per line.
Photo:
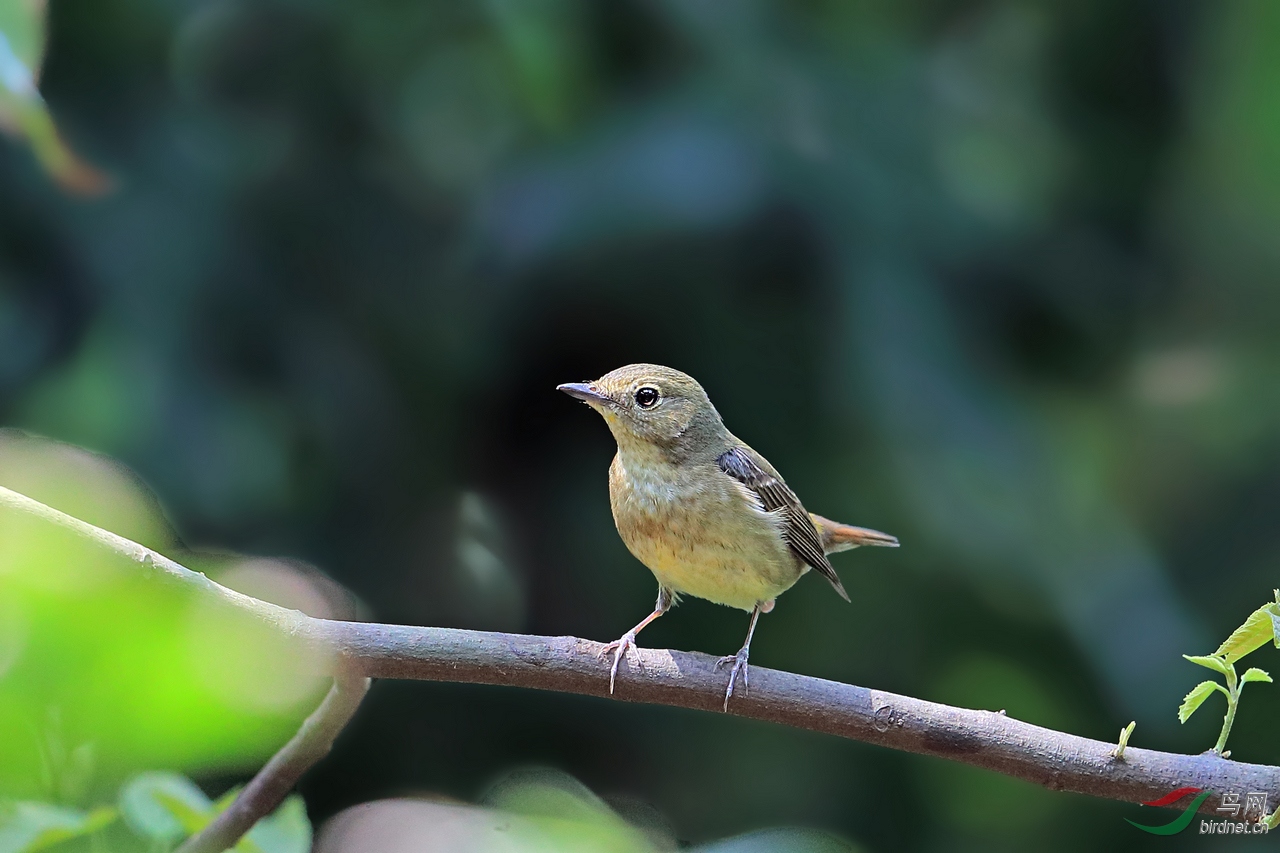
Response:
column 751, row 470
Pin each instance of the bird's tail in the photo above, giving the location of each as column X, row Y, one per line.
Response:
column 841, row 537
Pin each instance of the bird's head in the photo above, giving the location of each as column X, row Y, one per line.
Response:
column 648, row 405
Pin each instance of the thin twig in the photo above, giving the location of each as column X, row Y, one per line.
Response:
column 273, row 783
column 987, row 739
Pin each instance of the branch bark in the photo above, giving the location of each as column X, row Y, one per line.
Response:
column 986, row 739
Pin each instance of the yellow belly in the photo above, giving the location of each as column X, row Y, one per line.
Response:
column 714, row 576
column 700, row 537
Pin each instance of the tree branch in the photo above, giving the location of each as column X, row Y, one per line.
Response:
column 273, row 783
column 986, row 739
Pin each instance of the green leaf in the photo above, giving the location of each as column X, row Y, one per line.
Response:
column 1196, row 698
column 160, row 805
column 247, row 845
column 26, row 827
column 191, row 818
column 286, row 830
column 1254, row 674
column 167, row 807
column 1252, row 635
column 547, row 793
column 1211, row 662
column 93, row 821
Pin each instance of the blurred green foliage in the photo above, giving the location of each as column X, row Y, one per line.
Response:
column 997, row 277
column 104, row 670
column 154, row 812
column 23, row 112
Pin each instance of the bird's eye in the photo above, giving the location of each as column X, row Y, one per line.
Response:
column 647, row 398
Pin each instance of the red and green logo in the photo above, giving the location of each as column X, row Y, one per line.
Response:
column 1183, row 820
column 1250, row 817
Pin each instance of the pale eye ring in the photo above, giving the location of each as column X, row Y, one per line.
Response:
column 647, row 397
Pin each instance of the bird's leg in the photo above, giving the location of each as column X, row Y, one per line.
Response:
column 740, row 659
column 627, row 641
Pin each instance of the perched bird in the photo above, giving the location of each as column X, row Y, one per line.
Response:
column 704, row 512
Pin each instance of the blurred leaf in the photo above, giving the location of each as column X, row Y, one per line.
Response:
column 1255, row 674
column 22, row 26
column 167, row 807
column 286, row 830
column 26, row 827
column 1196, row 698
column 780, row 841
column 540, row 792
column 417, row 825
column 195, row 820
column 1210, row 662
column 1256, row 630
column 1275, row 623
column 191, row 818
column 564, row 809
column 163, row 806
column 22, row 109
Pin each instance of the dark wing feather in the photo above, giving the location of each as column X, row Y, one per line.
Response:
column 751, row 470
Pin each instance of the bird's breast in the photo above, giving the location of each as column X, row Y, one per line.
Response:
column 699, row 532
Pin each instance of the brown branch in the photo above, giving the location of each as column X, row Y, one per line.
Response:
column 986, row 739
column 273, row 783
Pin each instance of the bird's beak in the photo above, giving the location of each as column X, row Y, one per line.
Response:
column 584, row 392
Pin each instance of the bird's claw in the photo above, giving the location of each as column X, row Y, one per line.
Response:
column 619, row 648
column 739, row 662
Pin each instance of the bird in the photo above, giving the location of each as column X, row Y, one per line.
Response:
column 707, row 514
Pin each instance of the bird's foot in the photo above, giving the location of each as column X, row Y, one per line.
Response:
column 739, row 662
column 619, row 648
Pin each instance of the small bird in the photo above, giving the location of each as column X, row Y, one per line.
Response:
column 709, row 516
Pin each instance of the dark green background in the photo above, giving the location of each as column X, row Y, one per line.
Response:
column 996, row 277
